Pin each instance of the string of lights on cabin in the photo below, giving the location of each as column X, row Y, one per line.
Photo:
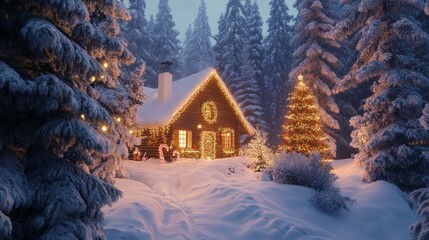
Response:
column 164, row 129
column 302, row 130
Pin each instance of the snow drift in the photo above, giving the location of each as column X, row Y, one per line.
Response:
column 222, row 199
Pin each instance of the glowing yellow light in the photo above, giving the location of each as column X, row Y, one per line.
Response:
column 118, row 119
column 92, row 79
column 199, row 126
column 104, row 128
column 82, row 117
column 102, row 76
column 131, row 131
column 105, row 65
column 300, row 77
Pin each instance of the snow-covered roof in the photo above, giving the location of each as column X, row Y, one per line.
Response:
column 155, row 113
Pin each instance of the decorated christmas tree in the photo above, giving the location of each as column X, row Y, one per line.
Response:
column 302, row 128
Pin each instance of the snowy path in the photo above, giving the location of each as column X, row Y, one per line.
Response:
column 221, row 199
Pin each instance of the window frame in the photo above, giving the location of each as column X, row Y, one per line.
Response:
column 184, row 138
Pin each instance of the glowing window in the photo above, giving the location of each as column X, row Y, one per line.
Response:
column 227, row 140
column 182, row 139
column 185, row 139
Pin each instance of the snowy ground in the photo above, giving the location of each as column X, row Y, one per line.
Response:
column 222, row 199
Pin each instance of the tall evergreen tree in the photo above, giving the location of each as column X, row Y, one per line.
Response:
column 185, row 53
column 151, row 26
column 59, row 82
column 140, row 42
column 277, row 62
column 247, row 95
column 201, row 51
column 391, row 49
column 230, row 43
column 167, row 45
column 254, row 45
column 218, row 48
column 247, row 6
column 315, row 58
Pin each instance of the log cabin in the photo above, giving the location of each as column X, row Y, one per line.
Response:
column 196, row 116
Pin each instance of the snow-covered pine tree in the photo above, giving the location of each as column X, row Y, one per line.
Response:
column 247, row 95
column 217, row 48
column 247, row 6
column 201, row 51
column 392, row 144
column 167, row 45
column 254, row 46
column 230, row 44
column 151, row 26
column 140, row 42
column 277, row 62
column 58, row 64
column 315, row 58
column 185, row 53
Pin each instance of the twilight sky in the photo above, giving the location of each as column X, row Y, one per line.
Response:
column 185, row 11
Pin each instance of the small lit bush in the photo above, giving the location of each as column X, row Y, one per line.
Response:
column 297, row 169
column 259, row 153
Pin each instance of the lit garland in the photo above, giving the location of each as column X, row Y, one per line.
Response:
column 302, row 131
column 204, row 137
column 209, row 112
column 190, row 153
column 161, row 154
column 154, row 134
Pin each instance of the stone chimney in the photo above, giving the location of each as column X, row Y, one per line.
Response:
column 165, row 82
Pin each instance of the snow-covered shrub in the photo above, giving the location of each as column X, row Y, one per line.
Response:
column 331, row 201
column 297, row 169
column 260, row 154
column 420, row 230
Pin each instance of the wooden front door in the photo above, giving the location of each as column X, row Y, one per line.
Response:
column 208, row 145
